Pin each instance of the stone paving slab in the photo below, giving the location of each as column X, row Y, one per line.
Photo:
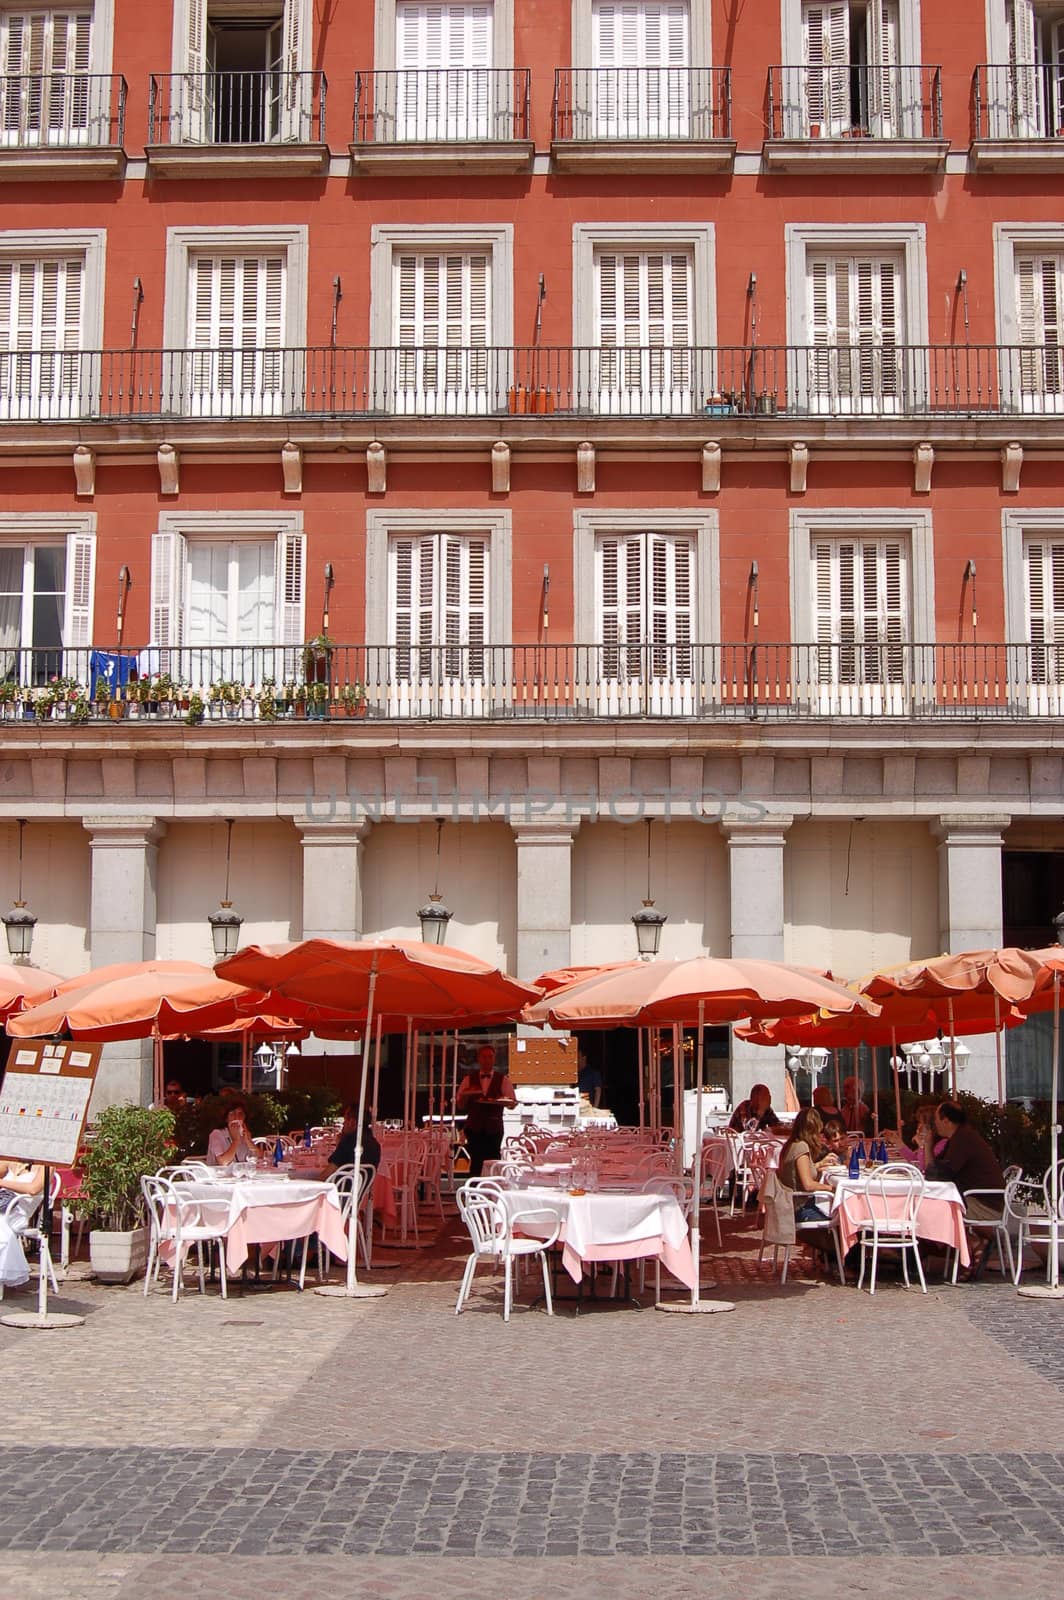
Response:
column 77, row 1577
column 520, row 1504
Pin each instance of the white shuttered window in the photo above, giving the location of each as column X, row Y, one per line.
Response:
column 645, row 603
column 46, row 598
column 1040, row 317
column 237, row 332
column 442, row 311
column 1044, row 560
column 444, row 54
column 860, row 590
column 236, row 605
column 45, row 57
column 41, row 309
column 856, row 323
column 644, row 330
column 641, row 52
column 851, row 61
column 438, row 596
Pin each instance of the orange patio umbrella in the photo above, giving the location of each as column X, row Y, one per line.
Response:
column 562, row 977
column 698, row 990
column 24, row 986
column 145, row 1001
column 395, row 978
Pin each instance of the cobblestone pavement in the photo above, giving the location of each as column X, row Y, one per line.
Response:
column 815, row 1437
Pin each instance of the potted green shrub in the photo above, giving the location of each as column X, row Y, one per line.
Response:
column 129, row 1142
column 194, row 713
column 317, row 658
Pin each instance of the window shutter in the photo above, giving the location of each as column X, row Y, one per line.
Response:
column 883, row 84
column 412, row 570
column 826, row 37
column 1045, row 600
column 670, row 603
column 1039, row 304
column 1023, row 33
column 195, row 36
column 463, row 608
column 290, row 568
column 169, row 558
column 80, row 590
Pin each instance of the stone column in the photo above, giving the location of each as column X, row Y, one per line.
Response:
column 332, row 878
column 970, row 915
column 755, row 860
column 544, row 895
column 122, row 923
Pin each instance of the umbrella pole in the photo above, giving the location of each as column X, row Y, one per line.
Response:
column 406, row 1074
column 1051, row 1289
column 997, row 1049
column 158, row 1086
column 678, row 1078
column 696, row 1304
column 376, row 1062
column 642, row 1104
column 351, row 1289
column 897, row 1076
column 454, row 1089
column 873, row 1060
column 838, row 1078
column 952, row 1048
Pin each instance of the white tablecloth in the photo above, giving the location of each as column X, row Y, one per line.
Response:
column 611, row 1225
column 267, row 1209
column 940, row 1217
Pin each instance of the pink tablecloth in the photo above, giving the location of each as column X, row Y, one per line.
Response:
column 266, row 1211
column 612, row 1226
column 940, row 1218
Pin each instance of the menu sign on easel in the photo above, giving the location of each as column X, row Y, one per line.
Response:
column 44, row 1100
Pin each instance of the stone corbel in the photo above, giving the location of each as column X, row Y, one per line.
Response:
column 1011, row 464
column 292, row 468
column 923, row 465
column 500, row 467
column 84, row 471
column 799, row 466
column 585, row 468
column 377, row 467
column 711, row 454
column 169, row 463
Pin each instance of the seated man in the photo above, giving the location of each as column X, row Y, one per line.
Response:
column 855, row 1114
column 966, row 1160
column 344, row 1154
column 756, row 1111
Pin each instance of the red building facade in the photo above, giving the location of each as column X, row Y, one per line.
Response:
column 657, row 403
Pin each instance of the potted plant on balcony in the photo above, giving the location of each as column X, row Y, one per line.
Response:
column 317, row 659
column 318, row 701
column 8, row 699
column 353, row 699
column 79, row 709
column 130, row 1142
column 195, row 712
column 266, row 701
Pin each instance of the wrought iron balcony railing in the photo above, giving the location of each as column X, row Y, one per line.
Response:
column 62, row 110
column 553, row 683
column 622, row 105
column 873, row 380
column 1018, row 102
column 443, row 105
column 855, row 102
column 253, row 108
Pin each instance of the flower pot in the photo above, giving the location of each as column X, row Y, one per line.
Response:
column 520, row 401
column 814, row 130
column 118, row 1257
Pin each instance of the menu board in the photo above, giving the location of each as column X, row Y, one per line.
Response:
column 44, row 1099
column 549, row 1060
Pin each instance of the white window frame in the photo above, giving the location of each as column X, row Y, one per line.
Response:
column 227, row 526
column 252, row 8
column 19, row 244
column 1012, row 239
column 698, row 238
column 384, row 25
column 25, row 528
column 494, row 526
column 910, row 37
column 103, row 28
column 183, row 243
column 644, row 695
column 699, row 34
column 862, row 522
column 1042, row 698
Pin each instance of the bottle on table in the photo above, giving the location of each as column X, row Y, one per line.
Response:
column 278, row 1152
column 306, row 1137
column 854, row 1165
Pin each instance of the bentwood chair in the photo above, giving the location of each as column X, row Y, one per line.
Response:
column 491, row 1231
column 176, row 1220
column 893, row 1195
column 22, row 1215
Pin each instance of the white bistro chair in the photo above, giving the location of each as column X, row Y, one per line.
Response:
column 1028, row 1216
column 176, row 1220
column 22, row 1215
column 892, row 1218
column 491, row 1230
column 344, row 1181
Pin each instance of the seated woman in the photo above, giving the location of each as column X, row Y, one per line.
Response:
column 19, row 1177
column 232, row 1141
column 800, row 1161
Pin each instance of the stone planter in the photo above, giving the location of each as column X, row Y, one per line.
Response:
column 118, row 1257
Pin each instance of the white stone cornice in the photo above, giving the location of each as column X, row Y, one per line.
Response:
column 977, row 828
column 121, row 832
column 330, row 831
column 544, row 830
column 755, row 832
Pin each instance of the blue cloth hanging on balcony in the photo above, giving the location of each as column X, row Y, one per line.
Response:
column 113, row 670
